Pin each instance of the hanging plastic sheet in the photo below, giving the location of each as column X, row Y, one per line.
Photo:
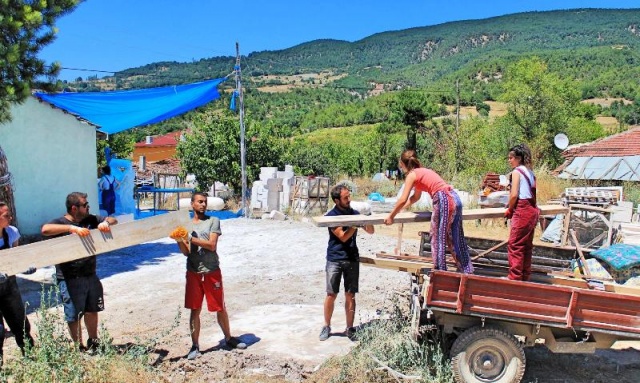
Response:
column 116, row 111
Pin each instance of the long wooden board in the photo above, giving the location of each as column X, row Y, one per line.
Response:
column 72, row 247
column 423, row 216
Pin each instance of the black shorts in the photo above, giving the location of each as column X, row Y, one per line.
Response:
column 336, row 269
column 81, row 295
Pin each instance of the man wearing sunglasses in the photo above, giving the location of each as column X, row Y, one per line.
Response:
column 79, row 285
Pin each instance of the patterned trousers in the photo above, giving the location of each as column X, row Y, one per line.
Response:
column 447, row 231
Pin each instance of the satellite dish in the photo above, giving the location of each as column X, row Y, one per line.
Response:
column 561, row 141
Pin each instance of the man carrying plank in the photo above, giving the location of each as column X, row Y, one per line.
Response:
column 204, row 278
column 342, row 259
column 11, row 305
column 79, row 285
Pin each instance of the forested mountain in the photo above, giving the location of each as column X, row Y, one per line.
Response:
column 396, row 89
column 599, row 47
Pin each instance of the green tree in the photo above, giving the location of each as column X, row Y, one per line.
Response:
column 26, row 26
column 413, row 109
column 121, row 145
column 211, row 151
column 539, row 104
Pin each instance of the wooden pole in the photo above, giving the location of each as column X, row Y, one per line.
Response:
column 399, row 245
column 583, row 261
column 496, row 247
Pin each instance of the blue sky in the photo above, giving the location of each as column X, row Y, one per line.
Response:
column 112, row 35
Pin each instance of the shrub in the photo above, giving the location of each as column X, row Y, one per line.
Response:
column 54, row 358
column 390, row 341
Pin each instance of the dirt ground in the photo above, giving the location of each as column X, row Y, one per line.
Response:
column 274, row 288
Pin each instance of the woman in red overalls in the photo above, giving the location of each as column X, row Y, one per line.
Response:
column 523, row 212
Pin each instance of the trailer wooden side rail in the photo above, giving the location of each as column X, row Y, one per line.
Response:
column 536, row 303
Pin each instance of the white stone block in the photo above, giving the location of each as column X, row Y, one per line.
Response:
column 277, row 215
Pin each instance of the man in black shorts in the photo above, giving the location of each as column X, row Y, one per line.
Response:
column 343, row 259
column 80, row 288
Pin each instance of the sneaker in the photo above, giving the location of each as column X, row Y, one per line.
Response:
column 93, row 344
column 325, row 333
column 193, row 353
column 350, row 333
column 234, row 342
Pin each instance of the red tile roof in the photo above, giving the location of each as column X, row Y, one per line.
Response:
column 619, row 145
column 169, row 139
column 166, row 166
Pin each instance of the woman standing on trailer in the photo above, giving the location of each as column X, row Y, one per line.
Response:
column 523, row 212
column 446, row 220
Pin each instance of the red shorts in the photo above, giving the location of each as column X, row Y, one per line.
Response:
column 204, row 285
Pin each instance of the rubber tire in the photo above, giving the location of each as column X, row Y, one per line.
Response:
column 493, row 345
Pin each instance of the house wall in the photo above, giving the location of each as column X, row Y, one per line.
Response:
column 154, row 153
column 50, row 154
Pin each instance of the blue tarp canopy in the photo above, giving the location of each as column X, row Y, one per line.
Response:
column 116, row 111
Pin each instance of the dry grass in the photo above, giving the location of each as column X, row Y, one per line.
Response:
column 276, row 88
column 610, row 124
column 498, row 109
column 297, row 81
column 549, row 187
column 606, row 102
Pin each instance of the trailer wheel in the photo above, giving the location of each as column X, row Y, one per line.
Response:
column 487, row 355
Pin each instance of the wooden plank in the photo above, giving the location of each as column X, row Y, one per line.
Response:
column 582, row 284
column 423, row 216
column 565, row 227
column 411, row 267
column 72, row 247
column 591, row 208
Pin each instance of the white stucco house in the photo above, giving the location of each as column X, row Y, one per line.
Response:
column 50, row 154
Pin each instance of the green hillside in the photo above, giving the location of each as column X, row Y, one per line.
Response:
column 396, row 89
column 575, row 40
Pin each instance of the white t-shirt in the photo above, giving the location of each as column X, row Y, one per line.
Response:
column 14, row 235
column 525, row 187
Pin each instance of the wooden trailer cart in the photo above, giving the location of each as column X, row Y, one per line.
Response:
column 484, row 321
column 487, row 321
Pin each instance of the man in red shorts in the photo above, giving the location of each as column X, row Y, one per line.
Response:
column 204, row 278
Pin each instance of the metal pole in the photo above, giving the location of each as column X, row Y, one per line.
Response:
column 457, row 149
column 243, row 163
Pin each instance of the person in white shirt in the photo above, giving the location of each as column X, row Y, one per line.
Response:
column 523, row 212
